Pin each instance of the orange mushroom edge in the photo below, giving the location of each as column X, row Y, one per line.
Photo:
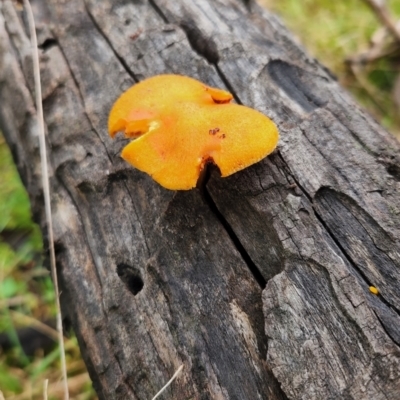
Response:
column 178, row 125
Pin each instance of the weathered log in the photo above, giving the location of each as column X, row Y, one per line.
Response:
column 260, row 287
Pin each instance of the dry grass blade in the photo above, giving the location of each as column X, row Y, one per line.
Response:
column 45, row 387
column 382, row 12
column 55, row 389
column 46, row 188
column 177, row 372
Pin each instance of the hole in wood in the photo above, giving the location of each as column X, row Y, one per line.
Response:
column 48, row 44
column 131, row 278
column 394, row 170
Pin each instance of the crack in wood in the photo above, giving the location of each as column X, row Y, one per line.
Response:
column 78, row 88
column 294, row 82
column 235, row 240
column 392, row 333
column 318, row 150
column 157, row 9
column 351, row 262
column 378, row 257
column 202, row 44
column 107, row 40
column 228, row 84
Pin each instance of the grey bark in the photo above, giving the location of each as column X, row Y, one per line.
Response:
column 260, row 286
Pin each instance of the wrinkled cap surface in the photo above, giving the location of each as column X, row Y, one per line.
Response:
column 178, row 125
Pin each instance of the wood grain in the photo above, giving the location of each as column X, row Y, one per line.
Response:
column 258, row 285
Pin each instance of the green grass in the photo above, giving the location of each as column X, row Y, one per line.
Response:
column 15, row 215
column 332, row 31
column 26, row 298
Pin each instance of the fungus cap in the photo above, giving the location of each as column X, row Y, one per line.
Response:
column 179, row 124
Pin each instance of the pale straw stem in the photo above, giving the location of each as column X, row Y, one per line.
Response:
column 46, row 188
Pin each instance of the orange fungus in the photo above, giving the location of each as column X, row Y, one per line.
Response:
column 178, row 124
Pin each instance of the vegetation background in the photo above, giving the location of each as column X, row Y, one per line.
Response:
column 342, row 35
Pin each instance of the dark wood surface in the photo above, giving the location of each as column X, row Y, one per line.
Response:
column 260, row 285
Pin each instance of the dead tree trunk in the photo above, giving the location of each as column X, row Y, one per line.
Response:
column 261, row 288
